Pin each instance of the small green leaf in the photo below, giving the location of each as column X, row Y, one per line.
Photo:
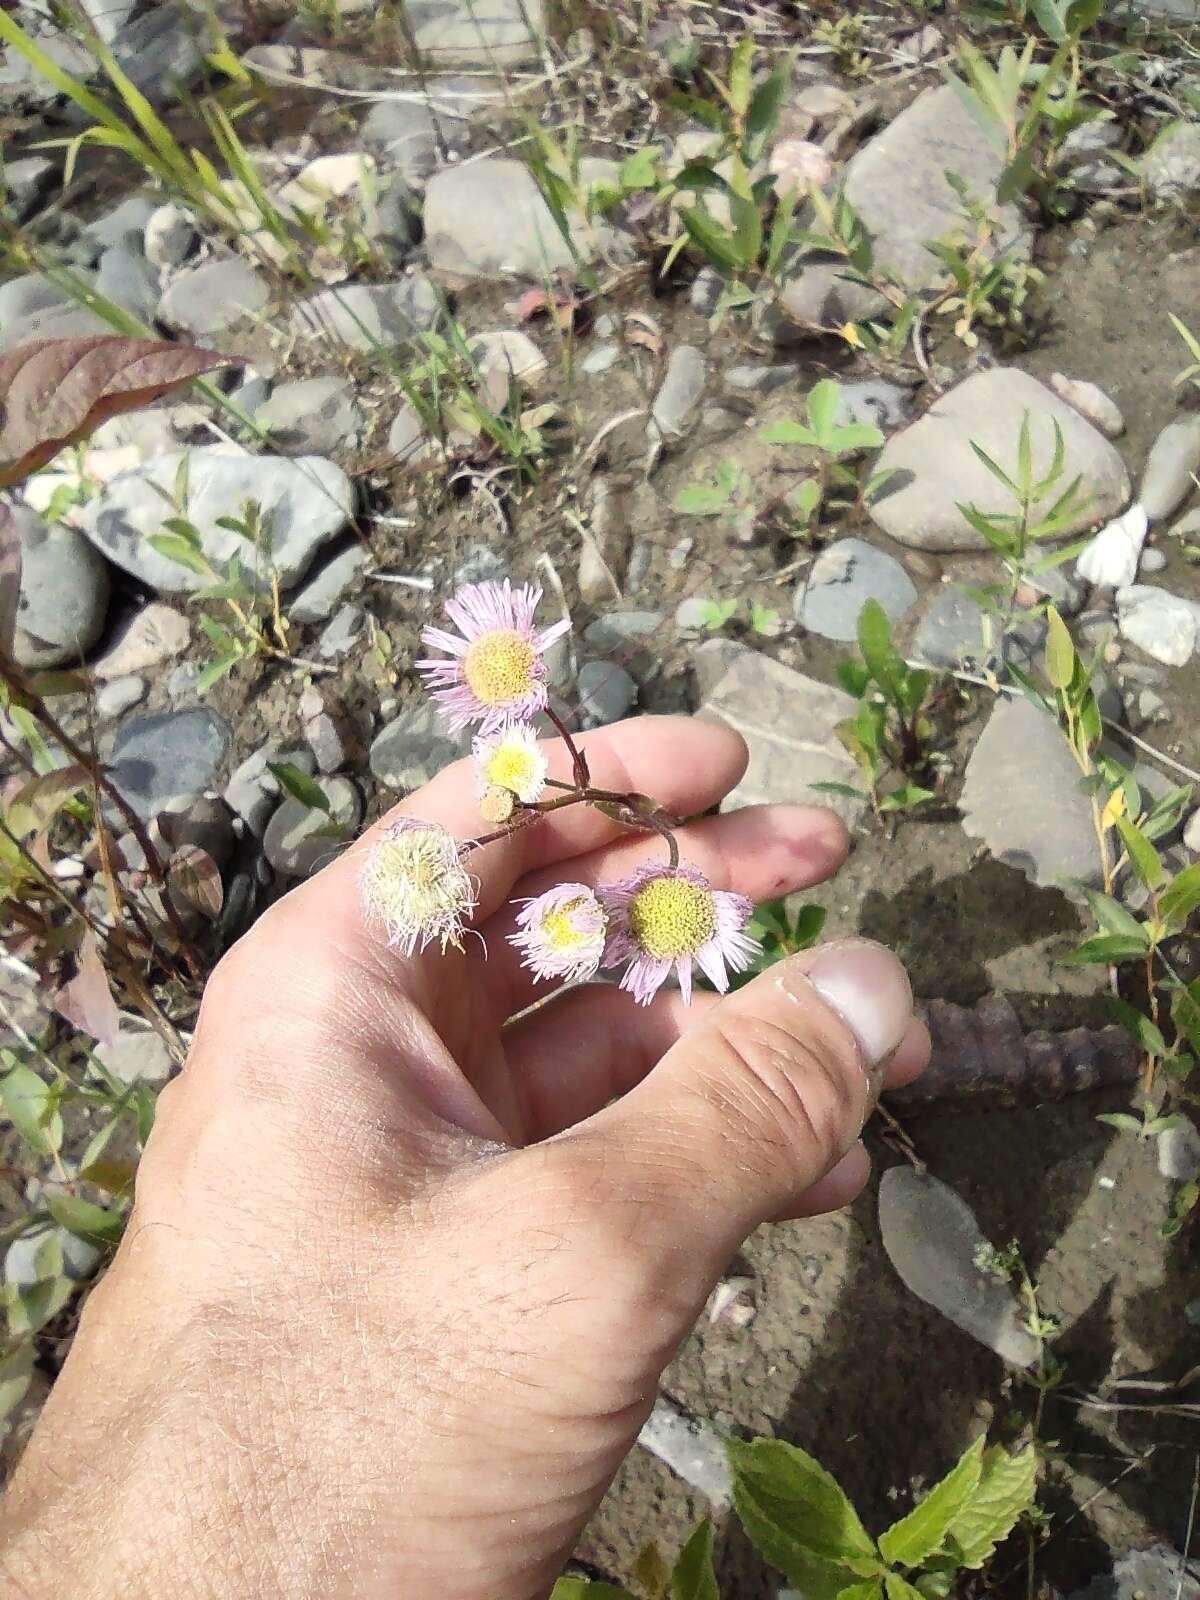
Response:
column 845, row 789
column 1005, row 1492
column 869, row 1589
column 694, row 1578
column 701, row 500
column 177, row 549
column 822, row 407
column 300, row 786
column 650, row 1573
column 1114, row 918
column 920, row 1534
column 789, row 432
column 717, row 243
column 799, row 1518
column 881, row 656
column 904, row 798
column 1143, row 1030
column 1145, row 859
column 1111, row 947
column 214, row 671
column 898, row 1588
column 32, row 1109
column 806, row 929
column 80, row 1217
column 16, row 1374
column 856, row 436
column 1060, row 651
column 1181, row 896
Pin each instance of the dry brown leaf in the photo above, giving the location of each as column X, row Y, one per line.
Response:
column 54, row 391
column 39, row 801
column 194, row 880
column 87, row 1001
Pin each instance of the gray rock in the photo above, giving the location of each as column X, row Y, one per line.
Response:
column 932, row 1239
column 369, row 316
column 489, row 219
column 113, row 227
column 1174, row 457
column 27, row 295
column 417, row 137
column 955, row 631
column 1179, row 1152
column 692, row 617
column 760, row 378
column 300, row 840
column 693, row 1449
column 786, row 719
column 59, row 322
column 606, row 693
column 22, row 85
column 129, row 280
column 1171, row 167
column 170, row 236
column 1188, row 525
column 841, row 581
column 158, row 757
column 204, row 820
column 23, row 1258
column 407, row 437
column 64, row 593
column 897, row 185
column 27, row 181
column 121, row 695
column 1191, row 834
column 510, row 353
column 414, row 747
column 622, row 630
column 1158, row 1573
column 395, row 223
column 1152, row 561
column 312, row 417
column 1089, row 399
column 883, row 405
column 305, row 503
column 136, row 1055
column 1162, row 624
column 208, row 299
column 480, row 565
column 935, row 468
column 161, row 50
column 154, row 635
column 320, row 594
column 467, row 33
column 705, row 293
column 601, row 359
column 1021, row 797
column 341, row 633
column 679, row 394
column 253, row 793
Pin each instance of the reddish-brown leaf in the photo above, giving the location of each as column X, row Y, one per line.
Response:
column 10, row 575
column 55, row 391
column 87, row 1001
column 194, row 880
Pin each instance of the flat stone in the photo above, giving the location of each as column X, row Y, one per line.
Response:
column 788, row 722
column 761, row 378
column 1171, row 167
column 322, row 591
column 1157, row 1573
column 253, row 792
column 935, row 468
column 161, row 50
column 470, row 33
column 1110, row 560
column 312, row 417
column 956, row 632
column 369, row 316
column 1021, row 797
column 932, row 1239
column 606, row 693
column 683, row 388
column 136, row 1055
column 1168, row 476
column 298, row 840
column 1191, row 834
column 121, row 695
column 305, row 503
column 508, row 351
column 59, row 322
column 170, row 236
column 208, row 299
column 1162, row 624
column 883, row 405
column 841, row 581
column 158, row 757
column 126, row 278
column 1179, row 1152
column 693, row 1450
column 414, row 747
column 601, row 359
column 418, row 136
column 488, row 219
column 154, row 635
column 1101, row 410
column 407, row 438
column 64, row 593
column 341, row 633
column 25, row 296
column 113, row 227
column 27, row 181
column 897, row 185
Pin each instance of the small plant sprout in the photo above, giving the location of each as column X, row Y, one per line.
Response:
column 661, row 920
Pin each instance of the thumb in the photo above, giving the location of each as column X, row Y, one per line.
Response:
column 762, row 1097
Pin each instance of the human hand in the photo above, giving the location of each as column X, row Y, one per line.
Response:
column 402, row 1275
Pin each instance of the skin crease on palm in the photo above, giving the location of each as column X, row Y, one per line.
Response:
column 402, row 1275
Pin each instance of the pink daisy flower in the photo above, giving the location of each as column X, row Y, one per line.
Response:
column 664, row 919
column 493, row 673
column 561, row 933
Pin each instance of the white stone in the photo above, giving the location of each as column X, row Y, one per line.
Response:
column 156, row 634
column 1179, row 1152
column 1191, row 834
column 693, row 1450
column 137, row 1053
column 1110, row 561
column 1171, row 467
column 1158, row 622
column 1091, row 402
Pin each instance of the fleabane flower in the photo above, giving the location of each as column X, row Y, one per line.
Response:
column 511, row 760
column 561, row 934
column 414, row 884
column 665, row 919
column 493, row 673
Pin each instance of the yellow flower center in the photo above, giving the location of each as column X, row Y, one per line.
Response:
column 559, row 930
column 499, row 667
column 671, row 917
column 512, row 766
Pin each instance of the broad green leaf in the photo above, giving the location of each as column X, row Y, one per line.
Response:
column 16, row 1374
column 765, row 106
column 881, row 656
column 715, row 242
column 701, row 500
column 822, row 407
column 788, row 432
column 1145, row 859
column 922, row 1532
column 31, row 1109
column 694, row 1578
column 299, row 785
column 178, row 550
column 1181, row 896
column 856, row 436
column 798, row 1516
column 94, row 1223
column 806, row 929
column 214, row 671
column 1060, row 651
column 898, row 1588
column 1006, row 1490
column 853, row 677
column 640, row 171
column 1114, row 918
column 740, row 64
column 904, row 798
column 32, row 1308
column 1108, row 948
column 1143, row 1030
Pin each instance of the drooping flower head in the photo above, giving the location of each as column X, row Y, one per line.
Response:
column 493, row 673
column 562, row 932
column 664, row 919
column 414, row 884
column 511, row 760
